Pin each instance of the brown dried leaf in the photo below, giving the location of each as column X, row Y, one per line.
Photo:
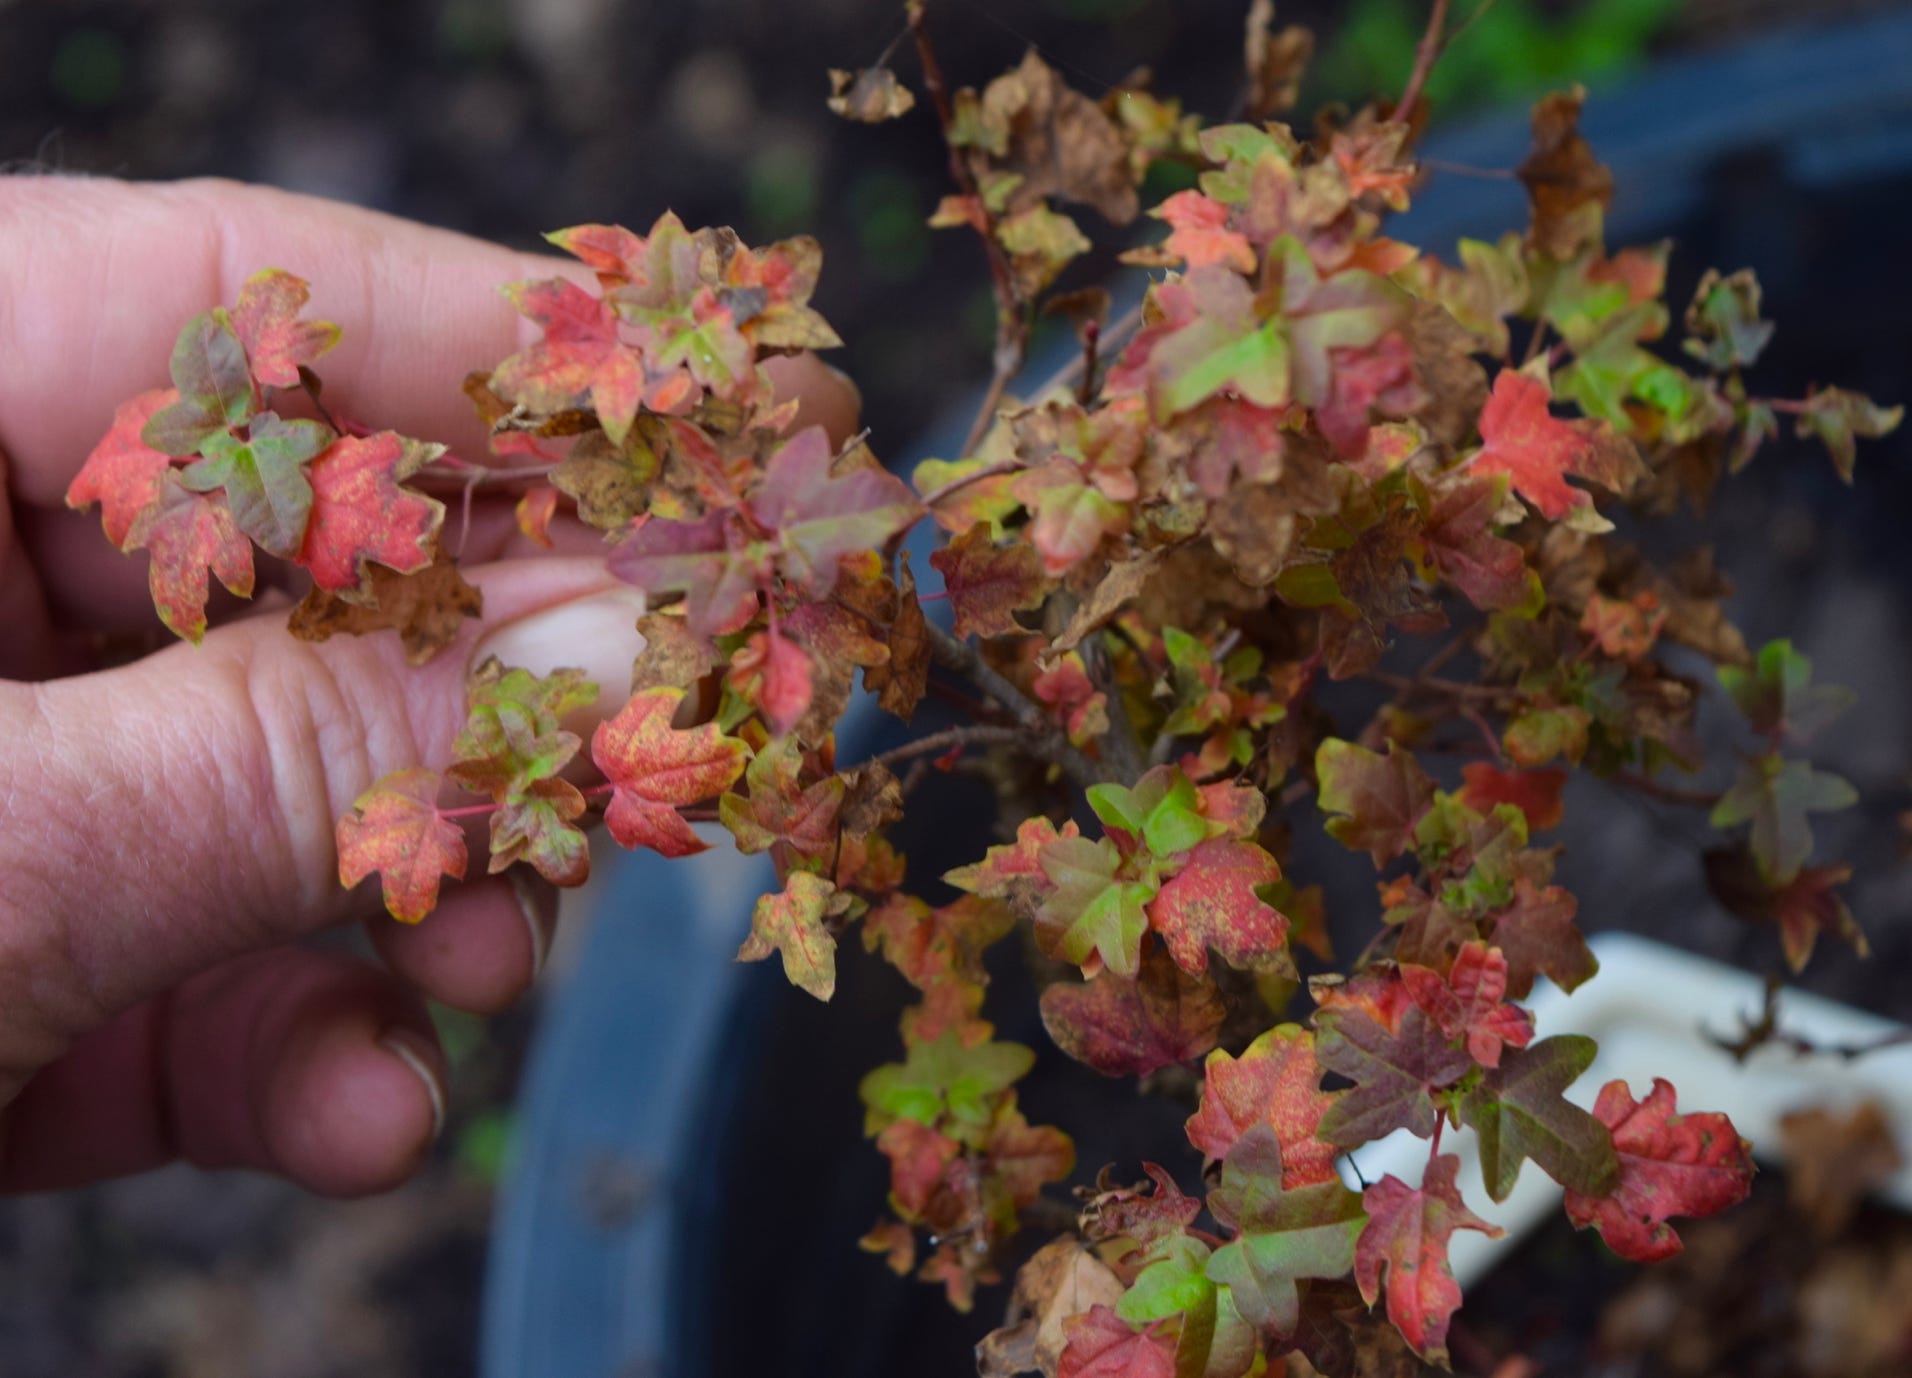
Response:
column 869, row 96
column 673, row 656
column 1832, row 1161
column 1123, row 582
column 1059, row 142
column 1061, row 1280
column 1274, row 63
column 427, row 608
column 1569, row 189
column 900, row 681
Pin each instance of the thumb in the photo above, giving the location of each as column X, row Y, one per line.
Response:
column 161, row 817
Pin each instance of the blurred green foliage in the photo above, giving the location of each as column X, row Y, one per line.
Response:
column 1512, row 50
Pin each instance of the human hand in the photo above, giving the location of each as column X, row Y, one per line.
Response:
column 166, row 827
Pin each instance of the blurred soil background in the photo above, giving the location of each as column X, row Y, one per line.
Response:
column 504, row 118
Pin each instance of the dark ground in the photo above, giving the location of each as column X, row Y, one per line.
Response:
column 506, row 117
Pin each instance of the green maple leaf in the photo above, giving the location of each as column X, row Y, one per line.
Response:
column 535, row 823
column 215, row 389
column 264, row 478
column 1284, row 1236
column 1723, row 323
column 942, row 1080
column 1163, row 811
column 1777, row 694
column 1775, row 795
column 1093, row 912
column 1519, row 1113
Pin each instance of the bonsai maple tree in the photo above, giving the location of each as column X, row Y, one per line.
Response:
column 1313, row 454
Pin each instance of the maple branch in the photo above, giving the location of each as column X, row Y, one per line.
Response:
column 937, row 742
column 1410, row 685
column 1429, row 48
column 1012, row 331
column 1112, row 338
column 1042, row 737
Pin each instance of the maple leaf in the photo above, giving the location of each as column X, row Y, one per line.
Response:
column 1776, row 795
column 1126, row 1213
column 1211, row 902
column 1804, row 907
column 1395, row 1074
column 1284, row 1235
column 1208, row 339
column 1567, row 186
column 902, row 678
column 870, row 95
column 1023, row 1158
column 1092, row 914
column 123, row 474
column 819, row 516
column 1722, row 324
column 1459, row 541
column 716, row 565
column 944, row 1082
column 1071, row 514
column 1519, row 1113
column 791, row 922
column 1162, row 812
column 360, row 512
column 1380, row 798
column 580, row 358
column 1406, row 1235
column 654, row 768
column 1536, row 793
column 1466, row 1003
column 1836, row 416
column 1537, row 935
column 263, row 477
column 988, row 584
column 535, row 823
column 534, row 513
column 397, row 829
column 1536, row 450
column 1130, row 1028
column 277, row 343
column 208, row 368
column 1624, row 628
column 189, row 536
column 1537, row 737
column 1200, row 234
column 427, row 608
column 1669, row 1164
column 778, row 808
column 1103, row 1345
column 1275, row 1082
column 1777, row 696
column 1014, row 871
column 772, row 673
column 919, row 1157
column 1211, row 1337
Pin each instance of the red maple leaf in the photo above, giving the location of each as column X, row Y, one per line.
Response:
column 772, row 673
column 1537, row 450
column 1275, row 1082
column 654, row 768
column 1132, row 1027
column 1102, row 1345
column 396, row 829
column 1670, row 1164
column 988, row 584
column 361, row 512
column 1200, row 232
column 1407, row 1234
column 1211, row 902
column 190, row 535
column 1468, row 1002
column 1536, row 793
column 277, row 342
column 123, row 473
column 582, row 359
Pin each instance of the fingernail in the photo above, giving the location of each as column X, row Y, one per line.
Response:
column 596, row 634
column 425, row 1061
column 533, row 906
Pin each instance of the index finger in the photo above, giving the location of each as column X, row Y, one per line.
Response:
column 97, row 276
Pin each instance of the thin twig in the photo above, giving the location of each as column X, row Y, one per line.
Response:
column 935, row 743
column 1044, row 739
column 1113, row 337
column 1670, row 794
column 1410, row 685
column 1429, row 48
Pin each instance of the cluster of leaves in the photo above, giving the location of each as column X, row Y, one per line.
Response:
column 1312, row 445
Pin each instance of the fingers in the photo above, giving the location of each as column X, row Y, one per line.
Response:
column 481, row 948
column 307, row 1064
column 179, row 811
column 97, row 276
